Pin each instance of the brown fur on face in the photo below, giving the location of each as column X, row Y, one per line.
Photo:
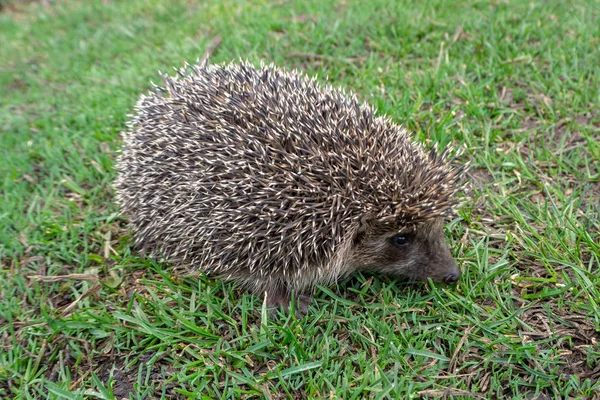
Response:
column 419, row 254
column 373, row 248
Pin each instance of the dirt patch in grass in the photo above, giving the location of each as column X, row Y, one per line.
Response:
column 480, row 177
column 18, row 9
column 125, row 375
column 564, row 329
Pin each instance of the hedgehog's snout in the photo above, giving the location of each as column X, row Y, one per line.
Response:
column 454, row 275
column 452, row 278
column 443, row 267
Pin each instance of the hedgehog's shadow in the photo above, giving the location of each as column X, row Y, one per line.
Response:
column 366, row 287
column 357, row 291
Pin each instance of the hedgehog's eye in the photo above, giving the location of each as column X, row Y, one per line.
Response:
column 400, row 240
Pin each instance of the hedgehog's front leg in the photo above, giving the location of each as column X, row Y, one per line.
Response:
column 304, row 301
column 281, row 297
column 276, row 297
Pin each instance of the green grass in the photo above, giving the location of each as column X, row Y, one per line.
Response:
column 516, row 83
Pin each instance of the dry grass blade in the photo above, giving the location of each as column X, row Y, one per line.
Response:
column 59, row 278
column 211, row 48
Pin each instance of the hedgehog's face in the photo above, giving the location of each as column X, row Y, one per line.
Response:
column 415, row 254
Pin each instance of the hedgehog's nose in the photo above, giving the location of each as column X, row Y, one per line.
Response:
column 451, row 278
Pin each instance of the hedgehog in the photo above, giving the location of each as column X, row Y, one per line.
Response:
column 271, row 179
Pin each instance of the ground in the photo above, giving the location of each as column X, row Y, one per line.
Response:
column 514, row 84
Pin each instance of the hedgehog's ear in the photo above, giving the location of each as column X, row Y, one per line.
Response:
column 364, row 227
column 359, row 236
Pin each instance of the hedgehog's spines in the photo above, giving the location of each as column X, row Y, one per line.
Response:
column 263, row 170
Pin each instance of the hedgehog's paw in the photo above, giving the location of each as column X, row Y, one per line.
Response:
column 277, row 299
column 301, row 304
column 304, row 301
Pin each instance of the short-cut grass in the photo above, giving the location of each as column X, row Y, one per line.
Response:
column 515, row 83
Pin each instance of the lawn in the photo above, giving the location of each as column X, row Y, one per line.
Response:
column 515, row 84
